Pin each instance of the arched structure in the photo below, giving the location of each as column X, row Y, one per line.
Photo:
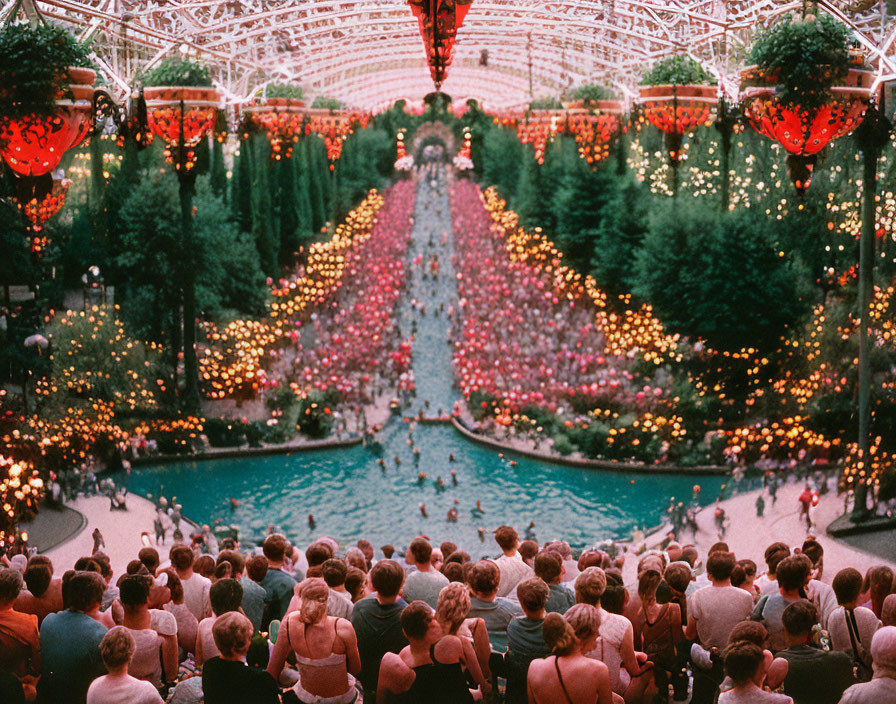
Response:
column 364, row 52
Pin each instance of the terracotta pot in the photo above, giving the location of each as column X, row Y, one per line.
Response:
column 159, row 95
column 753, row 80
column 696, row 93
column 288, row 103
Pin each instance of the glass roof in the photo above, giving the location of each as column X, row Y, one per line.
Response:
column 368, row 53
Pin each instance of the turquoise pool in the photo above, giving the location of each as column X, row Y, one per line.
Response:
column 352, row 497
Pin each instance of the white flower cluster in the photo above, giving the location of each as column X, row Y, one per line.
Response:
column 463, row 163
column 406, row 163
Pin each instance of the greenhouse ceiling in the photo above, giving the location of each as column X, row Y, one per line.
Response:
column 368, row 53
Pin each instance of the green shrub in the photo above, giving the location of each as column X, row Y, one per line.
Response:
column 590, row 92
column 563, row 445
column 225, row 432
column 316, row 414
column 281, row 90
column 322, row 102
column 34, row 64
column 175, row 71
column 808, row 56
column 677, row 70
column 546, row 104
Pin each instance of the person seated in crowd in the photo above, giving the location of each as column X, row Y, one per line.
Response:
column 773, row 671
column 877, row 585
column 429, row 670
column 813, row 675
column 19, row 635
column 549, row 567
column 852, row 626
column 768, row 583
column 629, row 677
column 253, row 593
column 451, row 613
column 425, row 583
column 225, row 596
column 377, row 622
column 70, row 640
column 713, row 612
column 227, row 679
column 334, row 571
column 524, row 636
column 882, row 687
column 150, row 559
column 277, row 584
column 195, row 586
column 497, row 612
column 744, row 662
column 356, row 584
column 316, row 555
column 792, row 576
column 325, row 648
column 568, row 675
column 118, row 687
column 513, row 569
column 187, row 625
column 657, row 629
column 154, row 631
column 44, row 592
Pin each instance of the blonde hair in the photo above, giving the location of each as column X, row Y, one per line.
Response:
column 314, row 593
column 559, row 635
column 584, row 619
column 453, row 605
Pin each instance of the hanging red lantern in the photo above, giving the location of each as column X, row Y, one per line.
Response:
column 43, row 205
column 34, row 145
column 676, row 110
column 170, row 108
column 595, row 129
column 804, row 132
column 439, row 21
column 281, row 119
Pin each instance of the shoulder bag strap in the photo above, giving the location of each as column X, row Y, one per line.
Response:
column 560, row 677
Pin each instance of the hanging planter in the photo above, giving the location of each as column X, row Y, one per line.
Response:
column 439, row 21
column 279, row 112
column 807, row 89
column 47, row 107
column 595, row 128
column 180, row 104
column 677, row 96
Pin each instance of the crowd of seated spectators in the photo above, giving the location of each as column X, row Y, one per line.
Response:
column 532, row 623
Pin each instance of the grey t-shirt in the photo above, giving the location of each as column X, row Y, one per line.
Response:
column 717, row 611
column 424, row 586
column 768, row 612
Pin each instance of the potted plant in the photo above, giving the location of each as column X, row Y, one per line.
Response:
column 808, row 86
column 179, row 92
column 46, row 96
column 589, row 96
column 277, row 109
column 677, row 95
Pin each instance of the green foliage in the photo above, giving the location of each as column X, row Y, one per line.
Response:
column 546, row 104
column 580, row 206
column 806, row 56
column 34, row 62
column 316, row 414
column 677, row 70
column 224, row 432
column 718, row 278
column 619, row 237
column 590, row 92
column 281, row 90
column 176, row 71
column 366, row 161
column 322, row 102
column 228, row 274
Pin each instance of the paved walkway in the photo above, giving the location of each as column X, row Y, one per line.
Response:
column 121, row 531
column 748, row 535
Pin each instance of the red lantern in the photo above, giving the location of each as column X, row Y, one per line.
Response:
column 42, row 206
column 595, row 129
column 168, row 107
column 281, row 119
column 439, row 21
column 34, row 145
column 677, row 110
column 804, row 132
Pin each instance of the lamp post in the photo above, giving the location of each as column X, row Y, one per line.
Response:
column 872, row 135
